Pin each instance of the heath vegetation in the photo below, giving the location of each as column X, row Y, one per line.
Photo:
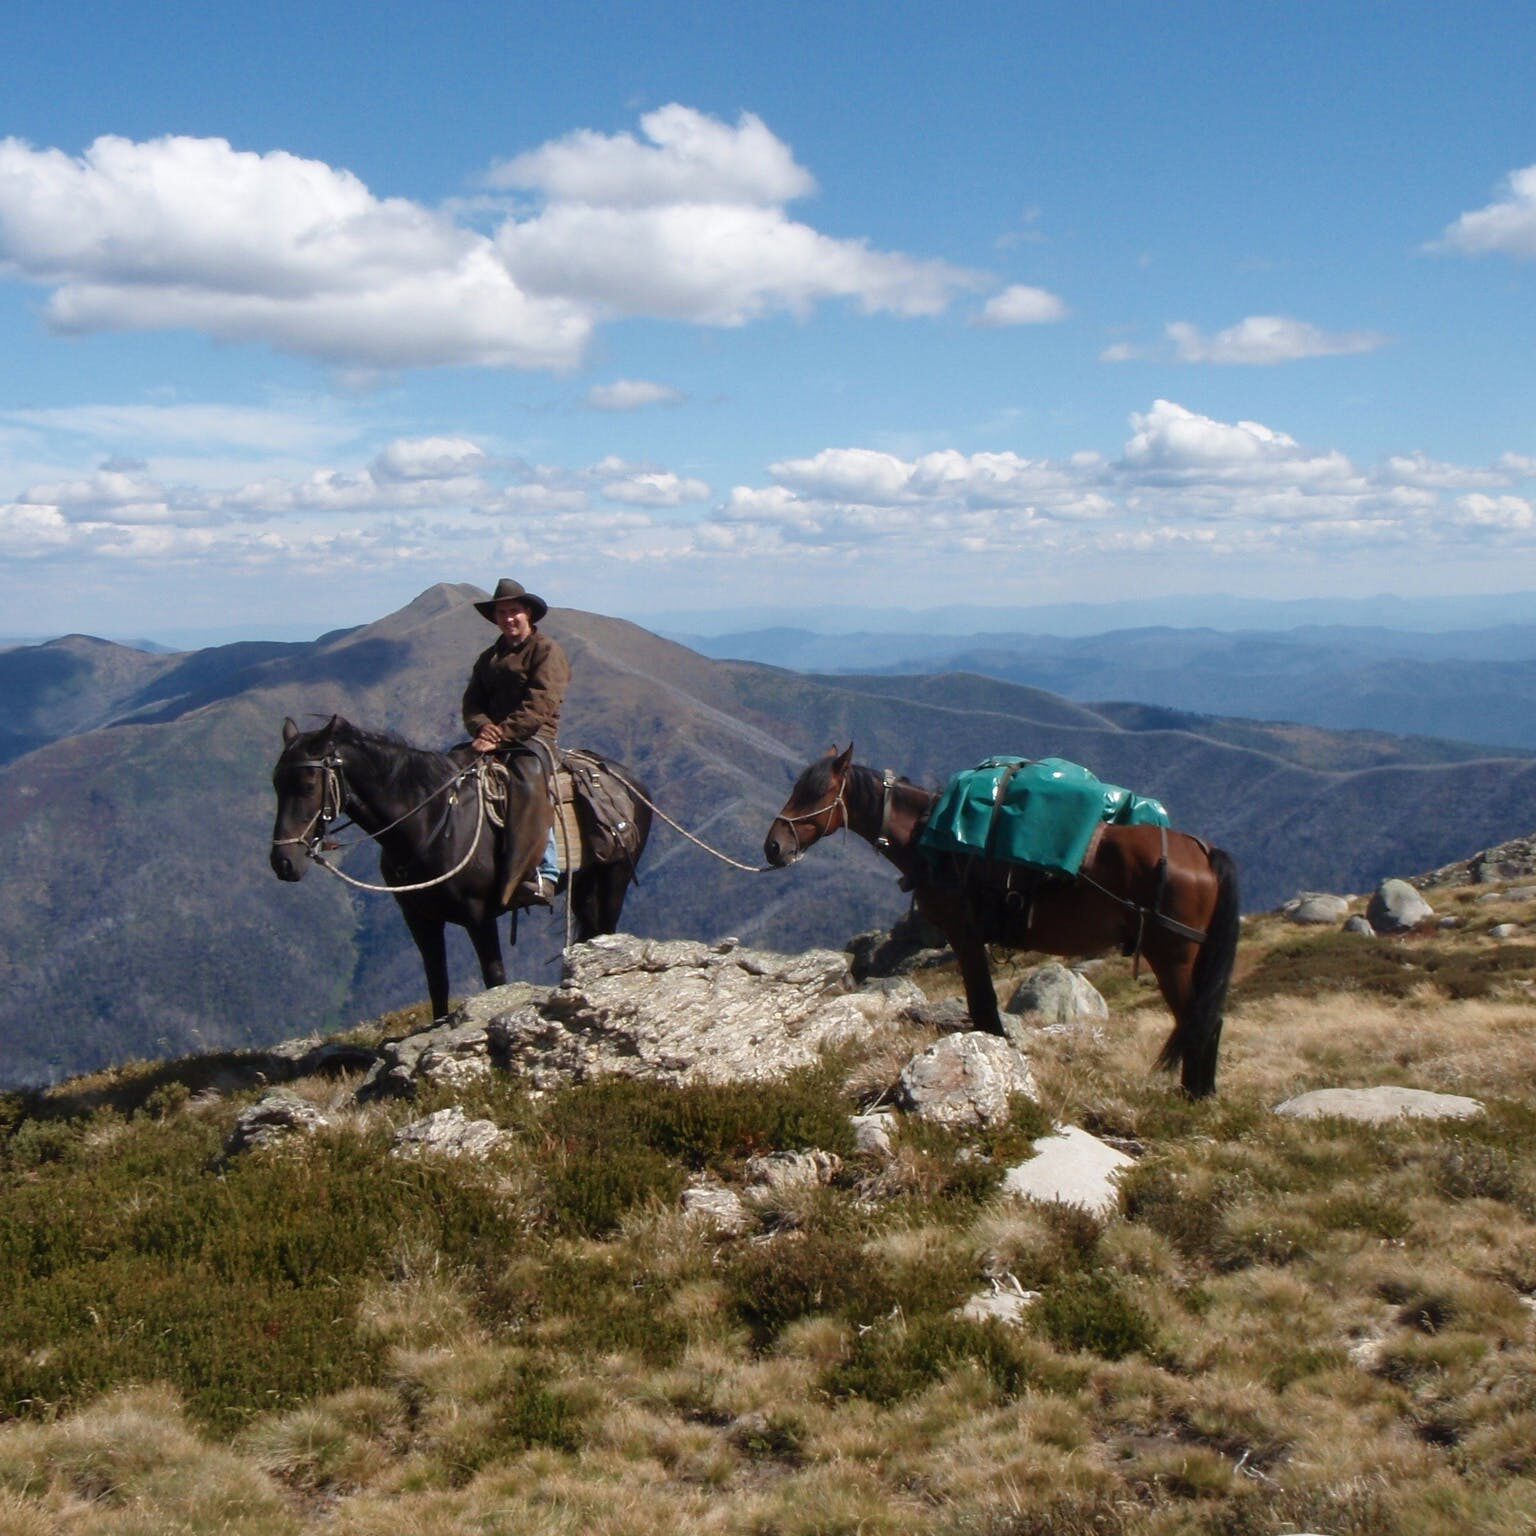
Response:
column 1287, row 1326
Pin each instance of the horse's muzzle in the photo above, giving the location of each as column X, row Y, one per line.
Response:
column 285, row 867
column 781, row 848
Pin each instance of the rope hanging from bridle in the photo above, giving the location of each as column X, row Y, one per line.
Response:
column 333, row 796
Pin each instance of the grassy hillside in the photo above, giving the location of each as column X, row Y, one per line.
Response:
column 1288, row 1326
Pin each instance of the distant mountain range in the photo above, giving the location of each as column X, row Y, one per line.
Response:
column 1475, row 685
column 138, row 915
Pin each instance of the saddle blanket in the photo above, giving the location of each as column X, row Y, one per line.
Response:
column 1044, row 813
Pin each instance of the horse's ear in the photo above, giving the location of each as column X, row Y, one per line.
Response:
column 290, row 732
column 333, row 722
column 844, row 759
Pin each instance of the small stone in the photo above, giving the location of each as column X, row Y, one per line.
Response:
column 273, row 1118
column 1397, row 907
column 872, row 1133
column 1504, row 931
column 776, row 1172
column 1357, row 924
column 716, row 1206
column 1315, row 908
column 965, row 1079
column 1057, row 995
column 1001, row 1305
column 447, row 1133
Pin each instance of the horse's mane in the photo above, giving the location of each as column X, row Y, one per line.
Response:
column 406, row 768
column 863, row 782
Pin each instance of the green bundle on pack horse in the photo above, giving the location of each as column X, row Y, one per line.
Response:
column 1085, row 868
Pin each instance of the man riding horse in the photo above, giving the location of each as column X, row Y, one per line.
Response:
column 512, row 710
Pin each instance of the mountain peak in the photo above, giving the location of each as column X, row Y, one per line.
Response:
column 440, row 599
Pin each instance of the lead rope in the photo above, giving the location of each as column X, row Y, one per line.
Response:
column 725, row 858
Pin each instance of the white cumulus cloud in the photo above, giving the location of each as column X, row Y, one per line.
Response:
column 1506, row 227
column 687, row 157
column 182, row 232
column 188, row 233
column 1022, row 305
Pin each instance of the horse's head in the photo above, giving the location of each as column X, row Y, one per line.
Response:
column 815, row 807
column 308, row 789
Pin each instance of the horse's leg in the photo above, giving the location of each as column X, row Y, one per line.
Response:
column 950, row 917
column 586, row 911
column 597, row 899
column 612, row 884
column 487, row 941
column 1195, row 986
column 428, row 934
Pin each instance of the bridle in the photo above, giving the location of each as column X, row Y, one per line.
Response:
column 881, row 840
column 334, row 794
column 836, row 803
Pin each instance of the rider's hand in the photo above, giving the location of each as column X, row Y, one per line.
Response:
column 486, row 742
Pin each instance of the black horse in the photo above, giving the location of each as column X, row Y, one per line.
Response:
column 424, row 810
column 1165, row 896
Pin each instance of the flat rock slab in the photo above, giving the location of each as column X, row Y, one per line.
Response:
column 684, row 1012
column 1071, row 1167
column 1379, row 1106
column 965, row 1079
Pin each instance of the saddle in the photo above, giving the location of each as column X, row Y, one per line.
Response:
column 594, row 808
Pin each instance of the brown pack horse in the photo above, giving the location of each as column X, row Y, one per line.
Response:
column 1163, row 895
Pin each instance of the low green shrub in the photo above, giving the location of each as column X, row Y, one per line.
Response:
column 897, row 1358
column 589, row 1191
column 1092, row 1312
column 704, row 1125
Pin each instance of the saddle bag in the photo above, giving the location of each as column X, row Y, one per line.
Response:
column 596, row 810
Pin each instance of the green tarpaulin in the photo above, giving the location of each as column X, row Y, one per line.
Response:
column 1039, row 812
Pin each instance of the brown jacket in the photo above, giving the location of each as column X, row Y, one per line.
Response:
column 518, row 691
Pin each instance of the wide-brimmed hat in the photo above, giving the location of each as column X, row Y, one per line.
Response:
column 508, row 591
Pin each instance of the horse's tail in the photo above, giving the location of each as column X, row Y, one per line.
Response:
column 1197, row 1032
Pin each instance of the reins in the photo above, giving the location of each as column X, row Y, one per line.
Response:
column 334, row 795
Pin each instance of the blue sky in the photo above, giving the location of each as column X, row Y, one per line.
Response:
column 728, row 307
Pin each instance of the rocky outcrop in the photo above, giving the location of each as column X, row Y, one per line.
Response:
column 675, row 1011
column 911, row 943
column 1514, row 860
column 685, row 1012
